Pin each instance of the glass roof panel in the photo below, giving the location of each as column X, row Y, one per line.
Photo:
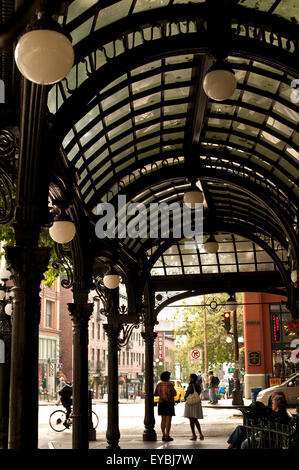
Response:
column 111, row 14
column 146, row 84
column 142, row 5
column 257, row 100
column 262, row 5
column 77, row 7
column 288, row 9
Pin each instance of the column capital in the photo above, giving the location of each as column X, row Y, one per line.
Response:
column 112, row 330
column 27, row 264
column 80, row 312
column 149, row 336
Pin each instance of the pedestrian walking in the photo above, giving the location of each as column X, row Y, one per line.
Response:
column 194, row 411
column 213, row 385
column 166, row 393
column 221, row 391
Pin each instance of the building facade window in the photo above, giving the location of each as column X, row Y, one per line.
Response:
column 99, row 330
column 47, row 349
column 92, row 331
column 49, row 314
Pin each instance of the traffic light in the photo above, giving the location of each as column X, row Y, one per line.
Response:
column 226, row 320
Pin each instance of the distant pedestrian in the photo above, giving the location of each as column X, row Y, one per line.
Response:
column 194, row 412
column 213, row 385
column 199, row 379
column 61, row 383
column 166, row 393
column 221, row 391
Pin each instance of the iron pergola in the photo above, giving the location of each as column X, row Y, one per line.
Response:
column 132, row 119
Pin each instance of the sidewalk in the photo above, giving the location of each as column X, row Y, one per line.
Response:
column 227, row 403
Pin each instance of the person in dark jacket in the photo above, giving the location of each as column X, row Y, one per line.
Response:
column 66, row 401
column 194, row 412
column 277, row 413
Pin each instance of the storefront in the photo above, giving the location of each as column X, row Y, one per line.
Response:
column 284, row 330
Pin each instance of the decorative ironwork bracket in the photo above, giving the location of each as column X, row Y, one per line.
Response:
column 63, row 259
column 8, row 174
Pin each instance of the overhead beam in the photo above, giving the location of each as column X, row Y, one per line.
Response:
column 262, row 281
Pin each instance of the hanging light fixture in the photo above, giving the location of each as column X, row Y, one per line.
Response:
column 111, row 279
column 193, row 196
column 220, row 82
column 44, row 54
column 8, row 308
column 231, row 303
column 211, row 246
column 294, row 276
column 4, row 274
column 63, row 229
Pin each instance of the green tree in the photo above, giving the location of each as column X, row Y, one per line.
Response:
column 54, row 268
column 192, row 329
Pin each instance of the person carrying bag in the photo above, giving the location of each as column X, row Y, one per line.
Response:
column 193, row 408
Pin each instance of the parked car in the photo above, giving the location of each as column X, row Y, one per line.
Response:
column 290, row 388
column 180, row 396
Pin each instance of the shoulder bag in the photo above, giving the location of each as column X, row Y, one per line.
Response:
column 193, row 398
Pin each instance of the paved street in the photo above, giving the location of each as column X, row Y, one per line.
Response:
column 217, row 424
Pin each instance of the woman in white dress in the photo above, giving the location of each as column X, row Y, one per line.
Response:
column 194, row 412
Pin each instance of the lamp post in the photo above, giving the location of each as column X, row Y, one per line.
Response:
column 237, row 394
column 5, row 344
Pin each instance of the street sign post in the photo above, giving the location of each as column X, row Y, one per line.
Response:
column 195, row 356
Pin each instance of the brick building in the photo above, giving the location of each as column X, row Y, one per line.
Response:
column 55, row 337
column 268, row 333
column 130, row 359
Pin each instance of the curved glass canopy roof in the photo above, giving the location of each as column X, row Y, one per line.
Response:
column 133, row 119
column 235, row 254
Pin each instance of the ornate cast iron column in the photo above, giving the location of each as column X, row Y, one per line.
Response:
column 112, row 434
column 149, row 337
column 5, row 344
column 80, row 312
column 27, row 266
column 112, row 328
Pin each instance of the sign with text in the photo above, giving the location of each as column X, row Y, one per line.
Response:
column 160, row 339
column 195, row 356
column 254, row 358
column 274, row 381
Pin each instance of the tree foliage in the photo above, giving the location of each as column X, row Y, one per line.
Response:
column 191, row 335
column 54, row 268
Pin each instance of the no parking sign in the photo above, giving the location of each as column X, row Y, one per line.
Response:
column 195, row 355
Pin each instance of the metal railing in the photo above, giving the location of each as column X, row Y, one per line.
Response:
column 264, row 434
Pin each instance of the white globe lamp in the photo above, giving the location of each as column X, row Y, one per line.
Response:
column 4, row 274
column 8, row 309
column 62, row 231
column 220, row 82
column 193, row 197
column 211, row 245
column 294, row 276
column 44, row 55
column 111, row 279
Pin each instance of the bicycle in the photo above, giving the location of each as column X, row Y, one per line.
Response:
column 58, row 417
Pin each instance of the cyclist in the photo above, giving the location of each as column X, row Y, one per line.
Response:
column 66, row 400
